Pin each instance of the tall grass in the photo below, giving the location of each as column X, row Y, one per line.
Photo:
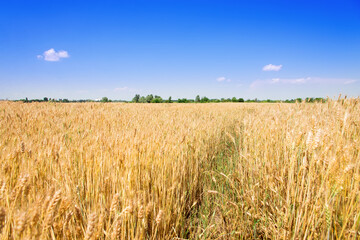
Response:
column 193, row 171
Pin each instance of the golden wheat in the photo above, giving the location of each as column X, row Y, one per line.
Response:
column 2, row 218
column 194, row 171
column 91, row 226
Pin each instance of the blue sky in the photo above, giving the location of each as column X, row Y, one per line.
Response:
column 273, row 49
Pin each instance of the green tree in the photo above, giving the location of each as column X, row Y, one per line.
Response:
column 104, row 99
column 204, row 100
column 234, row 99
column 197, row 99
column 310, row 100
column 136, row 98
column 241, row 100
column 46, row 99
column 182, row 100
column 149, row 98
column 142, row 99
column 170, row 101
column 320, row 100
column 156, row 100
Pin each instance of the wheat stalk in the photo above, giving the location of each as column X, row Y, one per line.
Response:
column 2, row 218
column 91, row 226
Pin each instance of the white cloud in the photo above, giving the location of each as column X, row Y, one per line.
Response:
column 271, row 67
column 333, row 80
column 301, row 81
column 297, row 80
column 121, row 89
column 350, row 81
column 52, row 56
column 223, row 79
column 275, row 80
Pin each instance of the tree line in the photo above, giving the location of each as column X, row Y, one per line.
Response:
column 157, row 99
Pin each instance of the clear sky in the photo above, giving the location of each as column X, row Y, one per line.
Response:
column 273, row 49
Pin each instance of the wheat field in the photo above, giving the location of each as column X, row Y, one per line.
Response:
column 180, row 171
